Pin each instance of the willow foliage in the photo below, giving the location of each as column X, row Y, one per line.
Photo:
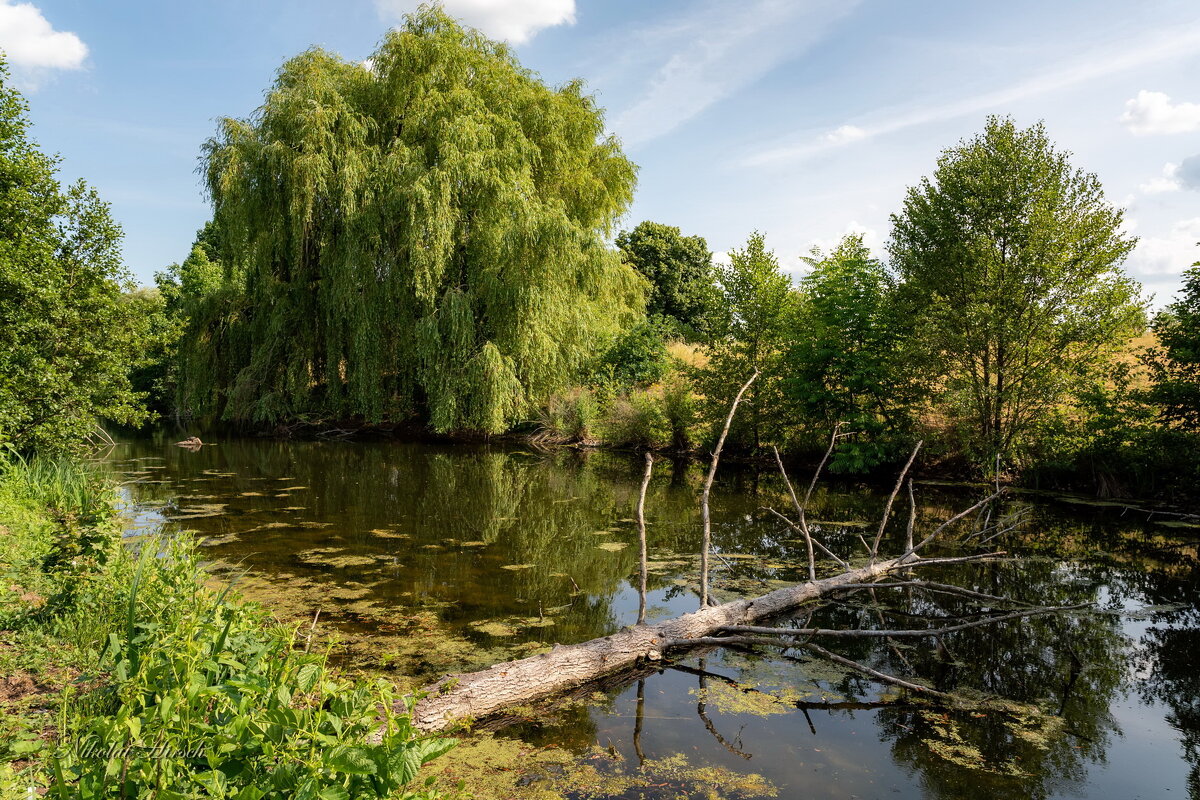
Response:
column 420, row 234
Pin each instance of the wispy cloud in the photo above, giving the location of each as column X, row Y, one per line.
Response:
column 516, row 21
column 1154, row 113
column 715, row 52
column 1084, row 69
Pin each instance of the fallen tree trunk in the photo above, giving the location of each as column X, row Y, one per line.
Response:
column 460, row 698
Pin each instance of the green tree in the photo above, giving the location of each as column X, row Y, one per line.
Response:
column 1010, row 260
column 179, row 305
column 68, row 335
column 421, row 236
column 680, row 271
column 750, row 332
column 1175, row 363
column 638, row 357
column 846, row 361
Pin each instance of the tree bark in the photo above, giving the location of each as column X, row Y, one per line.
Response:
column 477, row 695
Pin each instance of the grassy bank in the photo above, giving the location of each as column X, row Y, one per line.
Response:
column 125, row 677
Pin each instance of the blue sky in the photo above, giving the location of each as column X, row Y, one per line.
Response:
column 801, row 118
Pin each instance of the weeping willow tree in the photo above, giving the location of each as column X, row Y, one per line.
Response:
column 420, row 234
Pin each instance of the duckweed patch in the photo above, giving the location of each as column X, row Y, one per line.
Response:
column 500, row 768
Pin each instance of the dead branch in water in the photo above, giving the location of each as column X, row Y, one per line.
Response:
column 705, row 517
column 641, row 522
column 802, row 508
column 641, row 647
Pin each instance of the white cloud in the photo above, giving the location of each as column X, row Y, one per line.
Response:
column 1170, row 254
column 1168, row 181
column 871, row 238
column 29, row 41
column 717, row 51
column 1154, row 113
column 844, row 134
column 516, row 21
column 1086, row 68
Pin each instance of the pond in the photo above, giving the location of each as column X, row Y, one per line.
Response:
column 415, row 559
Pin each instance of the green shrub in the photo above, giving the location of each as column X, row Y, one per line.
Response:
column 681, row 408
column 637, row 419
column 570, row 417
column 638, row 358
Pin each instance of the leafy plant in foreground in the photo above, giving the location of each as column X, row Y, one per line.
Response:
column 201, row 699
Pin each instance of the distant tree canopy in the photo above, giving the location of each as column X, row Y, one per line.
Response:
column 68, row 333
column 1010, row 263
column 750, row 333
column 1175, row 362
column 680, row 271
column 846, row 360
column 422, row 234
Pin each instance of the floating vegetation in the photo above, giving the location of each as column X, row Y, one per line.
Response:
column 494, row 628
column 667, row 566
column 384, row 533
column 730, row 699
column 515, row 567
column 334, row 557
column 1091, row 502
column 348, row 593
column 612, row 546
column 292, row 488
column 1177, row 523
column 266, row 526
column 251, row 494
column 472, row 544
column 506, row 768
column 198, row 511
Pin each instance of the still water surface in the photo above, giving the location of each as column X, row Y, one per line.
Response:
column 424, row 559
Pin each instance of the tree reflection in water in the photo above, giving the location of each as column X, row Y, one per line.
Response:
column 372, row 533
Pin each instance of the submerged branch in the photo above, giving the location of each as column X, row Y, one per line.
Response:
column 911, row 632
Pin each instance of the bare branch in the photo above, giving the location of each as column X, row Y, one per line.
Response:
column 943, row 588
column 951, row 521
column 641, row 521
column 912, row 518
column 887, row 510
column 874, row 673
column 708, row 482
column 811, row 538
column 812, row 561
column 851, row 633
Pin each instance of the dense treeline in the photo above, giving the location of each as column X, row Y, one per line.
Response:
column 428, row 238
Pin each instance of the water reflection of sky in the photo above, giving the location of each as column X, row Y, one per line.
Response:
column 514, row 539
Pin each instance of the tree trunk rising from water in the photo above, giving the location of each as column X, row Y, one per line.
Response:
column 422, row 233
